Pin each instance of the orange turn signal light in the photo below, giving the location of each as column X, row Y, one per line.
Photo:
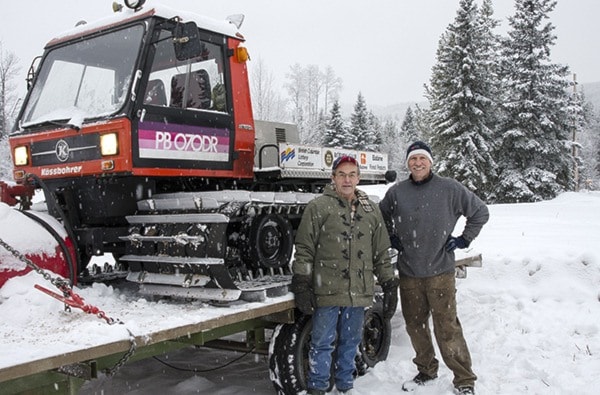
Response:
column 241, row 54
column 108, row 165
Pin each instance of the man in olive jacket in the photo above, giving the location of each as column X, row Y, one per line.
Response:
column 341, row 244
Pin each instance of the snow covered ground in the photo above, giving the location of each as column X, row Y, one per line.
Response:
column 531, row 317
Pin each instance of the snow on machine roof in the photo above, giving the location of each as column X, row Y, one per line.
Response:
column 83, row 28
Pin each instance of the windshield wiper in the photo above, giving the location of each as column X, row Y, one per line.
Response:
column 64, row 124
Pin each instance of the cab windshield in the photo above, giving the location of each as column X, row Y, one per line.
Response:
column 84, row 79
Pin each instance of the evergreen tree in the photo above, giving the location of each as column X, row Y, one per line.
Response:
column 534, row 157
column 314, row 133
column 360, row 125
column 489, row 47
column 422, row 123
column 576, row 121
column 409, row 129
column 460, row 97
column 589, row 148
column 335, row 130
column 374, row 139
column 393, row 144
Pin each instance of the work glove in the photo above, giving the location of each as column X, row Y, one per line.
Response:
column 303, row 293
column 456, row 242
column 390, row 297
column 395, row 242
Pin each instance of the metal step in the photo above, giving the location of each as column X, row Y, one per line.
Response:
column 198, row 201
column 181, row 260
column 249, row 291
column 200, row 293
column 191, row 218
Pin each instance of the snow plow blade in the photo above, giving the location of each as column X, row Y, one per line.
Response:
column 51, row 250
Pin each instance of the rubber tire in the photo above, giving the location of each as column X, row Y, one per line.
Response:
column 377, row 335
column 288, row 355
column 288, row 350
column 264, row 229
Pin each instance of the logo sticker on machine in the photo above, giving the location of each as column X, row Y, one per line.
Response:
column 184, row 142
column 295, row 156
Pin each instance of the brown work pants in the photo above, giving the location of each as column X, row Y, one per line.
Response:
column 436, row 297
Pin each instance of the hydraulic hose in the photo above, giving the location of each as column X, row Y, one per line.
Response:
column 50, row 199
column 60, row 241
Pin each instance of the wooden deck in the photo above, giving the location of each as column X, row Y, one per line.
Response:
column 89, row 360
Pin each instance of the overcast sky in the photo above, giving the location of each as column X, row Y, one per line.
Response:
column 382, row 48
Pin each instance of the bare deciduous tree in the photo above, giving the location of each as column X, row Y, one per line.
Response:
column 267, row 102
column 310, row 90
column 8, row 102
column 8, row 71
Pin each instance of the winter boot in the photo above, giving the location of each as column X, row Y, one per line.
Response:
column 419, row 379
column 465, row 390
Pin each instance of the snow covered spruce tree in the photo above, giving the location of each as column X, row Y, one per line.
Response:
column 576, row 120
column 374, row 131
column 395, row 139
column 534, row 153
column 364, row 127
column 409, row 129
column 461, row 96
column 392, row 144
column 589, row 147
column 335, row 129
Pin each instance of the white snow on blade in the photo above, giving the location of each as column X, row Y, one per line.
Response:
column 24, row 235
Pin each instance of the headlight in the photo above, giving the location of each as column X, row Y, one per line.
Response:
column 21, row 156
column 109, row 144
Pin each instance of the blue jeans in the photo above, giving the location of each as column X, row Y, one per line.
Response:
column 330, row 323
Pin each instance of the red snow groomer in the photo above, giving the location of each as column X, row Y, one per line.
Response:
column 31, row 240
column 139, row 128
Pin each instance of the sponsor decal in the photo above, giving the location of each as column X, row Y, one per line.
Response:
column 303, row 157
column 328, row 158
column 288, row 154
column 299, row 156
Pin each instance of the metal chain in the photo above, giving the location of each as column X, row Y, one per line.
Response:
column 125, row 357
column 65, row 287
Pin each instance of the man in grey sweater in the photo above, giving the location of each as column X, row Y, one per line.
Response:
column 421, row 214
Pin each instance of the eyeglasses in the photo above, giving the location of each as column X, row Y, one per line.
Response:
column 342, row 175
